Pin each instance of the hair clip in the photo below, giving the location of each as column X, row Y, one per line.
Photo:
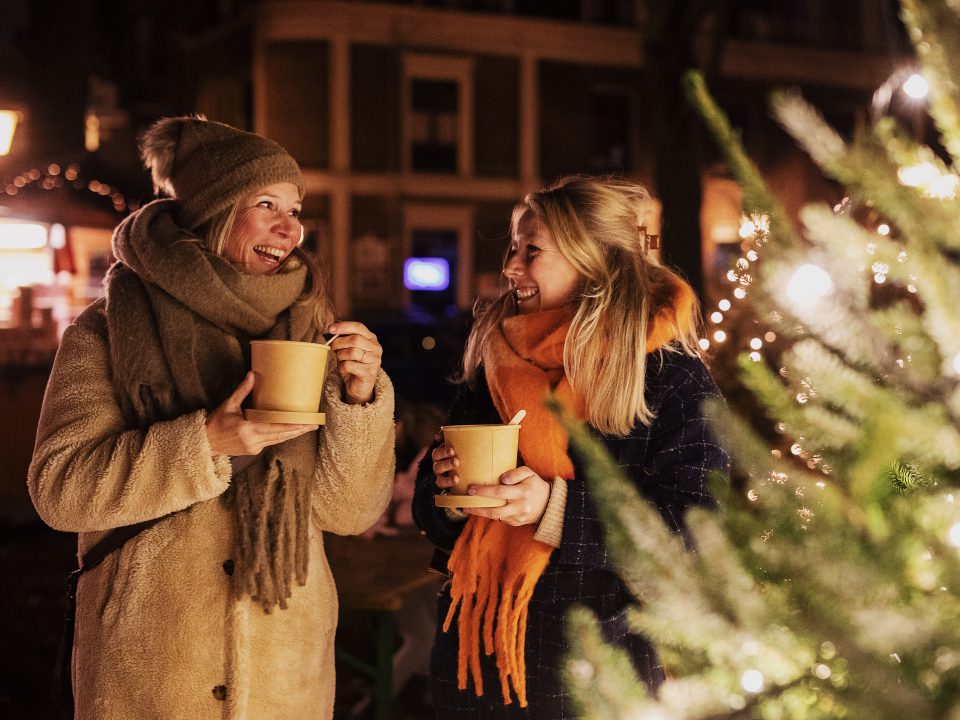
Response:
column 650, row 242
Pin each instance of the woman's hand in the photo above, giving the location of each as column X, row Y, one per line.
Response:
column 229, row 433
column 358, row 359
column 526, row 494
column 445, row 463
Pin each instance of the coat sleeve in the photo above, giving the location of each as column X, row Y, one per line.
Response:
column 90, row 471
column 672, row 472
column 355, row 463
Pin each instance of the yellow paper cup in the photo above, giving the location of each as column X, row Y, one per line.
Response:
column 288, row 380
column 485, row 453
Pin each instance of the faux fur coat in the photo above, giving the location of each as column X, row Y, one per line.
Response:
column 158, row 632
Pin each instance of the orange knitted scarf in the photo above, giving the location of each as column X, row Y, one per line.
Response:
column 495, row 566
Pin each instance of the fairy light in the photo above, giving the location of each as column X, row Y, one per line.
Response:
column 54, row 176
column 883, row 229
column 756, row 343
column 927, row 178
column 752, row 681
column 809, row 284
column 704, row 344
column 753, row 231
column 916, row 86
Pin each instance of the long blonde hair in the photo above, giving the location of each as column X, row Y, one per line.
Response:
column 594, row 222
column 213, row 237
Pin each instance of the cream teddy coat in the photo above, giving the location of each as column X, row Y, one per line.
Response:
column 158, row 633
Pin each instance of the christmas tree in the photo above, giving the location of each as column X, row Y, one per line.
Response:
column 828, row 585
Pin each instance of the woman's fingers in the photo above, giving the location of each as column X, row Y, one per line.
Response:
column 525, row 492
column 273, row 433
column 358, row 359
column 233, row 403
column 445, row 463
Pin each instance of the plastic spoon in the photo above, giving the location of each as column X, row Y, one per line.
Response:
column 515, row 420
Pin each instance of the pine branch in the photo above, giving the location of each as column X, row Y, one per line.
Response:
column 935, row 33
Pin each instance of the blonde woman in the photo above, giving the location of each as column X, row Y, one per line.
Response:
column 589, row 316
column 204, row 591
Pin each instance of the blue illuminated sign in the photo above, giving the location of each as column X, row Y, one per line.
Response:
column 426, row 273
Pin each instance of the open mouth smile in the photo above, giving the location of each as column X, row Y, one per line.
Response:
column 272, row 255
column 525, row 293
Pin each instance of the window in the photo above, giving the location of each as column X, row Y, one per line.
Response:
column 438, row 114
column 433, row 138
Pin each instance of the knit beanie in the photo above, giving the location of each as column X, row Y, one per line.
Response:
column 208, row 166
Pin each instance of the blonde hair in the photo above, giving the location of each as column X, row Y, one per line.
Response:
column 594, row 222
column 213, row 237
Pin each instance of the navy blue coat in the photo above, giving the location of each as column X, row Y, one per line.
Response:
column 668, row 461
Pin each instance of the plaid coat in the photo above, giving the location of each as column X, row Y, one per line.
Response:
column 669, row 463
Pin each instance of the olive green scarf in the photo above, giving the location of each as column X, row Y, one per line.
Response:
column 180, row 320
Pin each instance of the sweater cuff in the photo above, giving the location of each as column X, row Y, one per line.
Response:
column 550, row 527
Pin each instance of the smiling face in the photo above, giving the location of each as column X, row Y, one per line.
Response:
column 540, row 277
column 266, row 229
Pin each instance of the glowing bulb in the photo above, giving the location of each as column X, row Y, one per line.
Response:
column 752, row 255
column 752, row 681
column 755, row 356
column 704, row 344
column 739, row 293
column 717, row 317
column 58, row 236
column 809, row 284
column 756, row 343
column 770, row 336
column 883, row 229
column 916, row 86
column 732, row 276
column 719, row 336
column 724, row 304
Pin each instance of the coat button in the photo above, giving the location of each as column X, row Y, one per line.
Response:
column 220, row 692
column 228, row 567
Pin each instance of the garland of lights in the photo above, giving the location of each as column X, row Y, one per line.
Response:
column 55, row 177
column 753, row 229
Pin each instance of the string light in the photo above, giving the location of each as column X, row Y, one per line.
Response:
column 753, row 230
column 809, row 284
column 55, row 177
column 752, row 681
column 916, row 86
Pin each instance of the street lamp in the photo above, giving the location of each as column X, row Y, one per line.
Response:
column 8, row 126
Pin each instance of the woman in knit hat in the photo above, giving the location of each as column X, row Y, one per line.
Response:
column 590, row 317
column 223, row 606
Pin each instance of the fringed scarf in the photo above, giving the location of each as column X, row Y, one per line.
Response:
column 495, row 566
column 179, row 321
